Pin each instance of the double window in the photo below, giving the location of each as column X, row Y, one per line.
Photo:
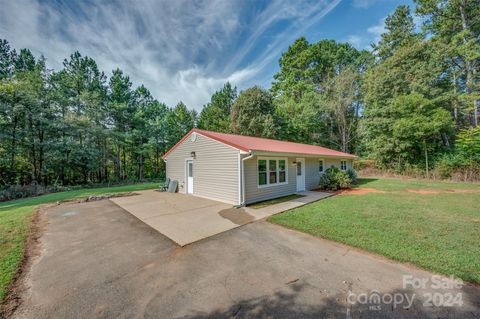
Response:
column 343, row 165
column 271, row 171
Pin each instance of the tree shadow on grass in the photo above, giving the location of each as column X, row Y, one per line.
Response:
column 364, row 181
column 289, row 305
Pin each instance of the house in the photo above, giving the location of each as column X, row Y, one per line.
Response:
column 241, row 170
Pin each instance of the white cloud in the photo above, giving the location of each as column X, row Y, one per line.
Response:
column 365, row 40
column 355, row 40
column 181, row 50
column 377, row 30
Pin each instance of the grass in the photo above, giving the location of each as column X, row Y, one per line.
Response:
column 275, row 201
column 396, row 184
column 437, row 232
column 15, row 221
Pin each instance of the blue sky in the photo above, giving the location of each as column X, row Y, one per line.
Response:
column 183, row 49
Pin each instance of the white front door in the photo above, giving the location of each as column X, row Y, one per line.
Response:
column 300, row 174
column 189, row 177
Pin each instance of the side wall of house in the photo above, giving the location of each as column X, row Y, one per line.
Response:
column 253, row 193
column 312, row 174
column 215, row 168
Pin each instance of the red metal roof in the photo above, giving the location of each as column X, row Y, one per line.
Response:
column 250, row 143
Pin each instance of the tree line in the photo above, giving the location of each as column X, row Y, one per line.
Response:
column 409, row 103
column 75, row 126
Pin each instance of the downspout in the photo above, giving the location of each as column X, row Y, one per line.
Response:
column 242, row 189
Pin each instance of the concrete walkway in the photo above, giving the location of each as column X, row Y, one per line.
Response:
column 186, row 219
column 309, row 197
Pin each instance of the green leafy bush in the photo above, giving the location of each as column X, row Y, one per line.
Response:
column 22, row 191
column 361, row 164
column 352, row 174
column 334, row 179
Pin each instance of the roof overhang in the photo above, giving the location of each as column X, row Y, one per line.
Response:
column 243, row 150
column 194, row 130
column 278, row 154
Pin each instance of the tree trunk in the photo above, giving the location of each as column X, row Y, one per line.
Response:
column 41, row 135
column 13, row 150
column 140, row 167
column 33, row 150
column 455, row 106
column 157, row 159
column 426, row 158
column 124, row 164
column 105, row 160
column 118, row 165
column 475, row 113
column 468, row 64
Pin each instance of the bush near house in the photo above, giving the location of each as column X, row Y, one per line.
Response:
column 352, row 174
column 334, row 179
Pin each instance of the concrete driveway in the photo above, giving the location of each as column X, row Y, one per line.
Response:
column 98, row 261
column 182, row 218
column 186, row 219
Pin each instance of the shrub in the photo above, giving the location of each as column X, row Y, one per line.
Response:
column 352, row 175
column 334, row 179
column 456, row 167
column 11, row 192
column 361, row 164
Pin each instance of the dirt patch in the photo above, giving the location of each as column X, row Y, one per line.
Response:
column 442, row 191
column 358, row 191
column 32, row 249
column 236, row 215
column 426, row 191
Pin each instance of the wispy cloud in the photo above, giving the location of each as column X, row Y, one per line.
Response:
column 377, row 30
column 366, row 39
column 181, row 50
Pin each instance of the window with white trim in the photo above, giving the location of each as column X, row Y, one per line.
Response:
column 282, row 171
column 262, row 172
column 343, row 165
column 321, row 166
column 271, row 171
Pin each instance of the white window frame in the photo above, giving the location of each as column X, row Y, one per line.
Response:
column 267, row 159
column 323, row 166
column 341, row 165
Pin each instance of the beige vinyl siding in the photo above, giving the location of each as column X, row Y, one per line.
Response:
column 312, row 177
column 215, row 168
column 255, row 194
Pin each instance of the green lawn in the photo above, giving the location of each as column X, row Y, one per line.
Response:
column 275, row 201
column 438, row 232
column 15, row 220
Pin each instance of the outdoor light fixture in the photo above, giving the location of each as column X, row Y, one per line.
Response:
column 192, row 155
column 294, row 163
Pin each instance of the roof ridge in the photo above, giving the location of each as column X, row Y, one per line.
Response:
column 262, row 138
column 268, row 139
